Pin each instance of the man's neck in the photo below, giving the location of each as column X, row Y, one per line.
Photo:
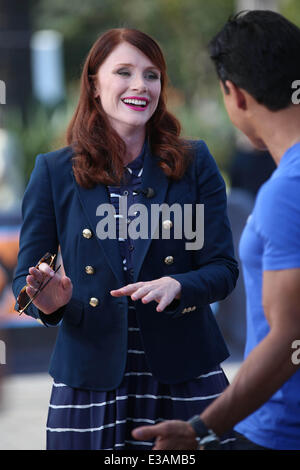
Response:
column 279, row 130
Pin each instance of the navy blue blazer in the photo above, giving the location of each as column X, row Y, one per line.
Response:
column 180, row 343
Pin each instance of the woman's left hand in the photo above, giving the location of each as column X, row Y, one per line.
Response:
column 163, row 291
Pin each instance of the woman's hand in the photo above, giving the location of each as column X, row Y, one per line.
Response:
column 57, row 293
column 163, row 291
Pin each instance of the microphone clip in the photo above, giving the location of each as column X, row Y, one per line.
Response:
column 147, row 192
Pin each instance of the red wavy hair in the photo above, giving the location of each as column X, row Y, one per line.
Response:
column 98, row 149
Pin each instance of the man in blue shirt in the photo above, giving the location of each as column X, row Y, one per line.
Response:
column 257, row 60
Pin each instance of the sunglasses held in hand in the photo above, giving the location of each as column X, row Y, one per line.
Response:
column 23, row 299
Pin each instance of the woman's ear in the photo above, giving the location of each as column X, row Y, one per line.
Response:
column 96, row 92
column 94, row 86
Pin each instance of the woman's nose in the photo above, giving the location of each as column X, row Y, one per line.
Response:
column 139, row 84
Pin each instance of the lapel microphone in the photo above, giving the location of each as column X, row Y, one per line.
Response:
column 147, row 192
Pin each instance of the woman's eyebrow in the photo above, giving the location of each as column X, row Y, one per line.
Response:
column 124, row 65
column 131, row 65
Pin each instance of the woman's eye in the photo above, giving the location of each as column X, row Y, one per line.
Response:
column 124, row 73
column 151, row 76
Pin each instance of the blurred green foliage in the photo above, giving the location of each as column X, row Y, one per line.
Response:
column 291, row 10
column 183, row 28
column 43, row 133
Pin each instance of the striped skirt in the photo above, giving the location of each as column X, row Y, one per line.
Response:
column 90, row 420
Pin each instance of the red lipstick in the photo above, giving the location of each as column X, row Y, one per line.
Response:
column 137, row 103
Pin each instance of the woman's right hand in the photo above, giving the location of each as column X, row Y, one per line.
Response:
column 55, row 295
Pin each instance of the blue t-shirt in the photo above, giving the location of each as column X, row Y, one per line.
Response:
column 271, row 241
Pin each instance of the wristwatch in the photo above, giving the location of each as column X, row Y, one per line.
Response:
column 207, row 438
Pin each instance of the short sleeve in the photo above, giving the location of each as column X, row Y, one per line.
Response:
column 277, row 220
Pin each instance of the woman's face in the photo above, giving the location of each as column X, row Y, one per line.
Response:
column 128, row 85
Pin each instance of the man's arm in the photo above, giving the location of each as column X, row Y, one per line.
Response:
column 264, row 371
column 269, row 365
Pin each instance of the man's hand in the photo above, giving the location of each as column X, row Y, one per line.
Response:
column 163, row 291
column 169, row 435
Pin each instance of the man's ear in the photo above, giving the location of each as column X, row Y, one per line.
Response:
column 236, row 93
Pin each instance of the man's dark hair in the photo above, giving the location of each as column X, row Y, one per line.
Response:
column 259, row 51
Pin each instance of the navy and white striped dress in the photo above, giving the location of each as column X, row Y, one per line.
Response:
column 93, row 420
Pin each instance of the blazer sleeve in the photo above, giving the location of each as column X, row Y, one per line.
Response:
column 216, row 270
column 38, row 233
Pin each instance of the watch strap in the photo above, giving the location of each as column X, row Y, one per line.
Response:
column 205, row 436
column 198, row 425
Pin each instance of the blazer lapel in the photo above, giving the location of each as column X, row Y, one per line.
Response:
column 152, row 177
column 90, row 200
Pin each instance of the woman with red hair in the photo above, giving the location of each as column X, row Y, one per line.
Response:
column 137, row 340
